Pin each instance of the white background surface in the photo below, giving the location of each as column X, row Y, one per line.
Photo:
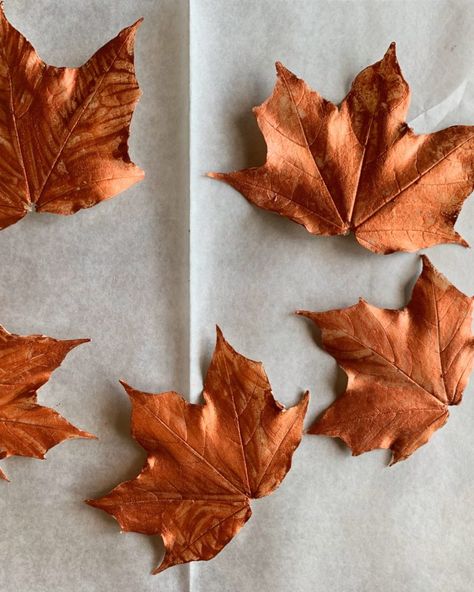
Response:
column 126, row 274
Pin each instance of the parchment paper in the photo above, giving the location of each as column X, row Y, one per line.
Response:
column 127, row 275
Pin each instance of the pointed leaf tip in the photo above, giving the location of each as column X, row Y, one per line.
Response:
column 128, row 389
column 425, row 260
column 77, row 342
column 391, row 52
column 164, row 565
column 304, row 313
column 281, row 70
column 304, row 401
column 94, row 503
column 217, row 176
column 87, row 435
column 133, row 28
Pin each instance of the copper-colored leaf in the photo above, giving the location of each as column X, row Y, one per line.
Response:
column 404, row 367
column 359, row 167
column 26, row 363
column 64, row 130
column 205, row 462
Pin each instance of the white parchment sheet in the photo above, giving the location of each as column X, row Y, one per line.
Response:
column 130, row 276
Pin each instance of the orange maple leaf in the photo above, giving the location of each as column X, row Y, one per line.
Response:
column 64, row 130
column 205, row 462
column 26, row 363
column 404, row 367
column 359, row 167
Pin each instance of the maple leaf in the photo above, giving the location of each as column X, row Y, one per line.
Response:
column 64, row 130
column 404, row 367
column 205, row 462
column 26, row 363
column 359, row 167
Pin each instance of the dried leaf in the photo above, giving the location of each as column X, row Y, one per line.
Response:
column 404, row 367
column 26, row 363
column 205, row 462
column 359, row 167
column 64, row 130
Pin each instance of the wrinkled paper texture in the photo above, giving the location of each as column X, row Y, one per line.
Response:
column 119, row 273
